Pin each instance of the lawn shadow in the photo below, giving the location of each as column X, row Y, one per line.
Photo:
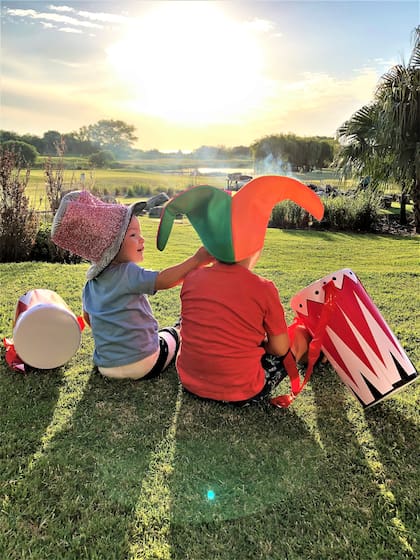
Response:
column 88, row 481
column 349, row 435
column 242, row 482
column 253, row 481
column 27, row 402
column 233, row 461
column 396, row 434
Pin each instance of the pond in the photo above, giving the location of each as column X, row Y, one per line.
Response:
column 224, row 171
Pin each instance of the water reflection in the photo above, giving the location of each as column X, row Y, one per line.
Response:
column 218, row 170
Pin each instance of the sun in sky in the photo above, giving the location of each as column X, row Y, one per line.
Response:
column 188, row 62
column 186, row 73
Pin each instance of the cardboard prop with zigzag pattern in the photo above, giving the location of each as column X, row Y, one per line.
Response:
column 355, row 337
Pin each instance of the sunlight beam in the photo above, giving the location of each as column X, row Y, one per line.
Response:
column 151, row 525
column 372, row 457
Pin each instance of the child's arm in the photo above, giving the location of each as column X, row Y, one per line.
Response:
column 277, row 344
column 174, row 275
column 86, row 317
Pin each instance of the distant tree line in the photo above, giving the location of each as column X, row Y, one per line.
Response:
column 116, row 138
column 105, row 135
column 288, row 152
column 107, row 140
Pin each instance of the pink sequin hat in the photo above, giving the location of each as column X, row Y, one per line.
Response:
column 91, row 228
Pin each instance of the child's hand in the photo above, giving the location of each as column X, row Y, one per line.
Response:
column 174, row 275
column 203, row 256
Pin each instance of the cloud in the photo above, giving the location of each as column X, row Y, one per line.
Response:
column 100, row 16
column 314, row 104
column 69, row 30
column 58, row 91
column 58, row 106
column 57, row 18
column 73, row 23
column 318, row 89
column 61, row 8
column 68, row 64
column 96, row 16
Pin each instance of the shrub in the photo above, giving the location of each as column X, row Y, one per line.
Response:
column 54, row 177
column 344, row 213
column 25, row 154
column 45, row 250
column 142, row 190
column 54, row 180
column 288, row 215
column 18, row 223
column 101, row 159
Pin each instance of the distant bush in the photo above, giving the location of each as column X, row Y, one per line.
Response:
column 288, row 215
column 344, row 213
column 18, row 223
column 143, row 190
column 45, row 250
column 25, row 154
column 134, row 191
column 102, row 159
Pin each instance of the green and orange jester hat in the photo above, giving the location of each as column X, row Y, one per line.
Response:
column 232, row 225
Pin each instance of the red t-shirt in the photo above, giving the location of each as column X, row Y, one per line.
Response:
column 226, row 312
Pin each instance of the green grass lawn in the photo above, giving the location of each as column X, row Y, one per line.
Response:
column 158, row 176
column 110, row 180
column 98, row 469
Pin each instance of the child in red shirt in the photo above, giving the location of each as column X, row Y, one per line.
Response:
column 233, row 333
column 234, row 339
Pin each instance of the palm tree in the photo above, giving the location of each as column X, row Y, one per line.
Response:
column 382, row 139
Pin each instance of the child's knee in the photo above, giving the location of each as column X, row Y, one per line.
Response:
column 172, row 338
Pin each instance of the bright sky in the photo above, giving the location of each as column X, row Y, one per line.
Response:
column 194, row 73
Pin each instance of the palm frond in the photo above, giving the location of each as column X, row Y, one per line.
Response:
column 414, row 60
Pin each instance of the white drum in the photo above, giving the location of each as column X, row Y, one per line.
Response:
column 46, row 333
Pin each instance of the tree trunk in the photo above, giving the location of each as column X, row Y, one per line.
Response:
column 416, row 204
column 404, row 200
column 403, row 209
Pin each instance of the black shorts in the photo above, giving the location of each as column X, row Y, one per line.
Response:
column 275, row 372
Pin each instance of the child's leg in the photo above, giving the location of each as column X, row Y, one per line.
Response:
column 300, row 339
column 169, row 340
column 274, row 373
column 172, row 338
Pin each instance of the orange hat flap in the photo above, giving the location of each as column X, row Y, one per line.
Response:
column 252, row 206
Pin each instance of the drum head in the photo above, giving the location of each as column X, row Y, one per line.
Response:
column 46, row 336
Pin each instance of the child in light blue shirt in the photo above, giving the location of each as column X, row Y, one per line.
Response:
column 128, row 342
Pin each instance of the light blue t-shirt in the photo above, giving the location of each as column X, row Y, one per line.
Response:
column 122, row 322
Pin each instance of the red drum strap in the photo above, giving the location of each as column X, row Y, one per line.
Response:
column 283, row 401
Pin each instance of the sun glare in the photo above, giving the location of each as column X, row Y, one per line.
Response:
column 187, row 62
